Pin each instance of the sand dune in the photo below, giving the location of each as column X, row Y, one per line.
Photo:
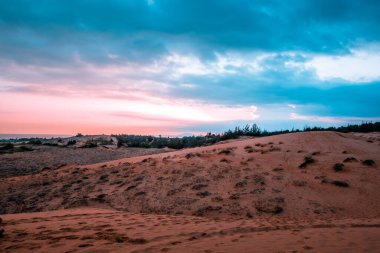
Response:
column 277, row 194
column 102, row 230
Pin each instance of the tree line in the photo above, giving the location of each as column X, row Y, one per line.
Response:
column 148, row 141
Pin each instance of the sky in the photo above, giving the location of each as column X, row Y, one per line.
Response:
column 178, row 66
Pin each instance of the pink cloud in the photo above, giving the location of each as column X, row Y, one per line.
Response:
column 138, row 113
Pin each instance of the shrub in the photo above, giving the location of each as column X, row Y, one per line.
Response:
column 203, row 194
column 368, row 162
column 7, row 146
column 35, row 142
column 340, row 183
column 299, row 183
column 90, row 144
column 201, row 211
column 71, row 142
column 338, row 167
column 24, row 149
column 199, row 186
column 350, row 159
column 225, row 152
column 307, row 160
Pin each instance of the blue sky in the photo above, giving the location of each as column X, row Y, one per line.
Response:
column 187, row 66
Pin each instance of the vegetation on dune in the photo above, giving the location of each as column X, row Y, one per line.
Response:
column 11, row 148
column 148, row 141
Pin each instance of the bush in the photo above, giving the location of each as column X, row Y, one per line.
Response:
column 7, row 146
column 35, row 142
column 338, row 167
column 90, row 144
column 340, row 183
column 307, row 160
column 24, row 149
column 71, row 142
column 368, row 162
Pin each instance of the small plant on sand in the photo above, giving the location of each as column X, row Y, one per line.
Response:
column 190, row 155
column 199, row 186
column 350, row 159
column 369, row 162
column 71, row 142
column 338, row 167
column 340, row 183
column 225, row 152
column 203, row 194
column 307, row 160
column 241, row 184
column 201, row 211
column 35, row 142
column 23, row 149
column 299, row 183
column 90, row 144
column 7, row 146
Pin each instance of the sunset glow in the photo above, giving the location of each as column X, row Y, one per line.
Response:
column 174, row 67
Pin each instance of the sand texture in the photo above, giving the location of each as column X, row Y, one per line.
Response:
column 299, row 192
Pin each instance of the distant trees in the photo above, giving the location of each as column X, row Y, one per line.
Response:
column 148, row 141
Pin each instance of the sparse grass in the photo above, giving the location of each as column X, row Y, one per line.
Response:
column 201, row 211
column 241, row 184
column 225, row 152
column 142, row 193
column 234, row 196
column 259, row 179
column 307, row 160
column 71, row 142
column 299, row 183
column 199, row 186
column 217, row 199
column 190, row 155
column 350, row 159
column 340, row 183
column 203, row 194
column 369, row 162
column 7, row 146
column 90, row 144
column 103, row 177
column 338, row 167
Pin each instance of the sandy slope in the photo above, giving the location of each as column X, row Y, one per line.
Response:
column 244, row 184
column 97, row 230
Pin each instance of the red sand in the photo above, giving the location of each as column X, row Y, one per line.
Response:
column 241, row 196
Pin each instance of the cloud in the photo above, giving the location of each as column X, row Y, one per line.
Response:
column 360, row 66
column 314, row 118
column 142, row 31
column 332, row 120
column 306, row 58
